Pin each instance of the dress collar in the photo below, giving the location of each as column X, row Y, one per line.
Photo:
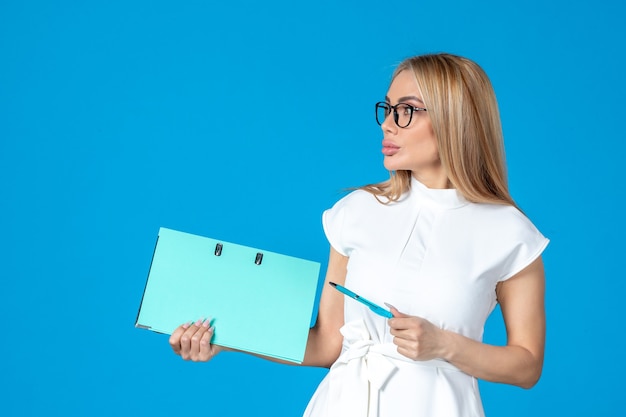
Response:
column 446, row 198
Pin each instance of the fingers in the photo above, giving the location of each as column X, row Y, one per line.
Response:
column 408, row 342
column 407, row 332
column 411, row 352
column 176, row 336
column 195, row 341
column 200, row 341
column 395, row 311
column 187, row 340
column 206, row 349
column 404, row 323
column 415, row 337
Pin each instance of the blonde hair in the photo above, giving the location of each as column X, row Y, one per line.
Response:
column 464, row 114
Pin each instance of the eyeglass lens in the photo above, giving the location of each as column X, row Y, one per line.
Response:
column 402, row 113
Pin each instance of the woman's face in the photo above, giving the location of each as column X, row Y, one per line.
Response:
column 413, row 148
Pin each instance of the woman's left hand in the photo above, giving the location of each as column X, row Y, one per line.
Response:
column 416, row 338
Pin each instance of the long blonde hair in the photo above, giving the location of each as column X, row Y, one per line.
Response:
column 464, row 114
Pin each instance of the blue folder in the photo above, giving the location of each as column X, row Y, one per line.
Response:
column 259, row 301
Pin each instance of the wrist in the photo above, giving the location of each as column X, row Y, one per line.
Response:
column 447, row 347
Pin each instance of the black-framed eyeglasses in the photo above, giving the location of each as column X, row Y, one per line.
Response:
column 402, row 113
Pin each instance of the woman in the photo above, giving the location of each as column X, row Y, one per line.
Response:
column 442, row 241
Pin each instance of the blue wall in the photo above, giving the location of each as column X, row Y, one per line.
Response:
column 244, row 121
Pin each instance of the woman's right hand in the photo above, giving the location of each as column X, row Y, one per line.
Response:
column 192, row 341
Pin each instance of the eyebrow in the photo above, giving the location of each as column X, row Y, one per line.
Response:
column 405, row 98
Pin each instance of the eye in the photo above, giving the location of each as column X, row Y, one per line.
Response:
column 404, row 109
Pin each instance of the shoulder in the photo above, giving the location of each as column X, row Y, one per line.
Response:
column 357, row 197
column 357, row 202
column 355, row 218
column 500, row 219
column 495, row 228
column 503, row 235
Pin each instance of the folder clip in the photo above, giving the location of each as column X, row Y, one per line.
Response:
column 259, row 258
column 218, row 249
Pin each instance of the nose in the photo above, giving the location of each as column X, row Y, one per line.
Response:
column 389, row 125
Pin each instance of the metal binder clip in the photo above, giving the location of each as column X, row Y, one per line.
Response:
column 218, row 249
column 259, row 258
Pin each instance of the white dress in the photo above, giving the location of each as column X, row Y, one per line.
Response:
column 435, row 255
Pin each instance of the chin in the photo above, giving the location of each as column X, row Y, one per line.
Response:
column 389, row 166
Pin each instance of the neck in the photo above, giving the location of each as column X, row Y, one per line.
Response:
column 435, row 180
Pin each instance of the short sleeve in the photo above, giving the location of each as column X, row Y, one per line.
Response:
column 333, row 221
column 527, row 245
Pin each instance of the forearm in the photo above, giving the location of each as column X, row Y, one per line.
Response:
column 325, row 339
column 519, row 362
column 322, row 348
column 509, row 364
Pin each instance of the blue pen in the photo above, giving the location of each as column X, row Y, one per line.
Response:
column 374, row 307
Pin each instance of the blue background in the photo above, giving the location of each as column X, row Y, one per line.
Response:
column 244, row 121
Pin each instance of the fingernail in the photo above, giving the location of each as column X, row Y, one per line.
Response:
column 186, row 325
column 212, row 329
column 207, row 323
column 199, row 322
column 390, row 306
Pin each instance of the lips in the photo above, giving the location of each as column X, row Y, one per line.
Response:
column 389, row 148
